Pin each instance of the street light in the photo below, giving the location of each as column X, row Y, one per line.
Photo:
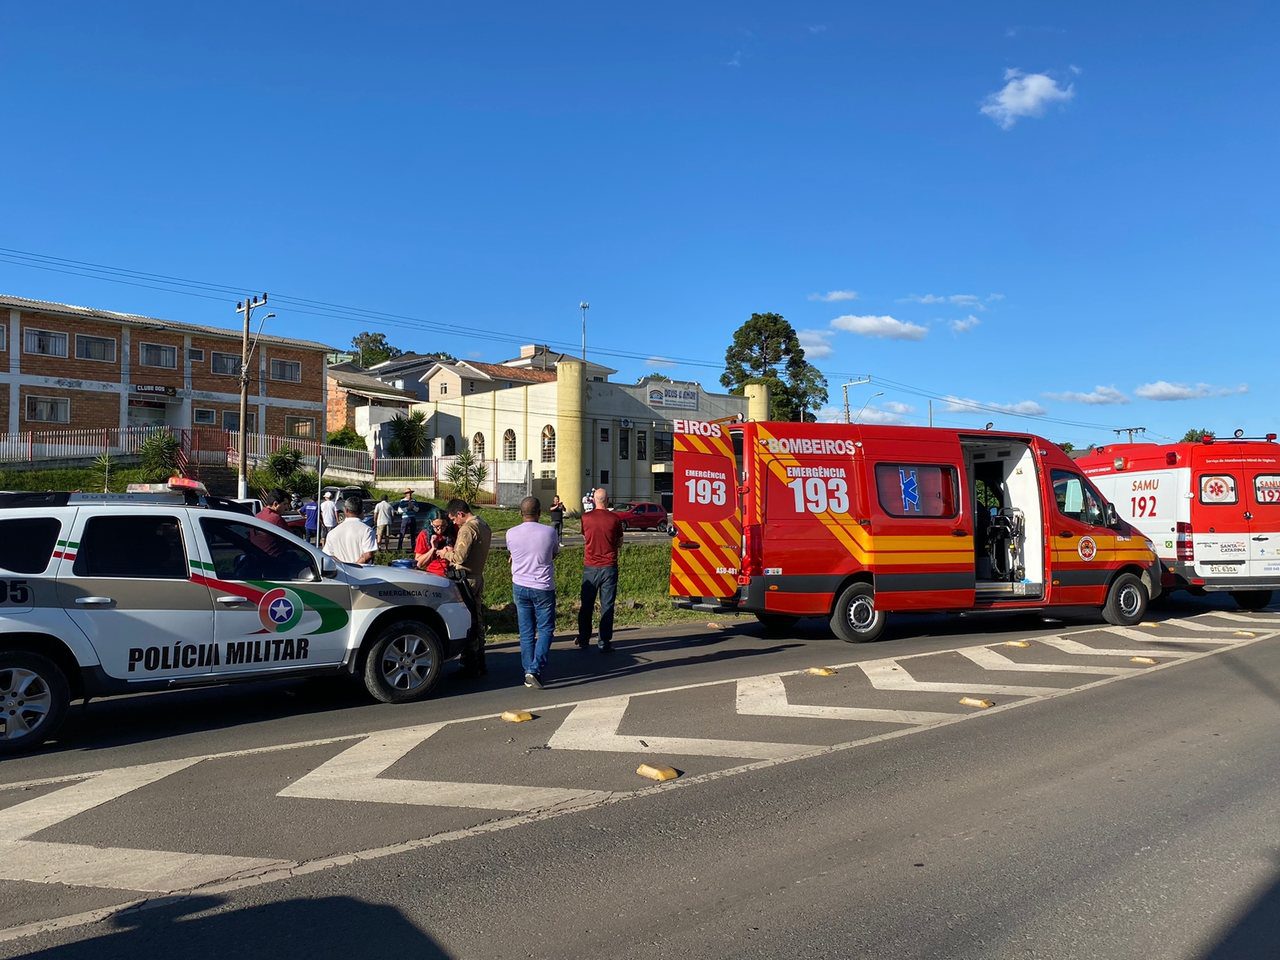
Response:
column 584, row 307
column 845, row 388
column 864, row 406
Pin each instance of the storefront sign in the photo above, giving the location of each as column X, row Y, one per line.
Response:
column 155, row 389
column 674, row 397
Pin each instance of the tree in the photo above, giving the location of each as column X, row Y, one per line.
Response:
column 1067, row 446
column 655, row 377
column 465, row 475
column 372, row 348
column 346, row 437
column 766, row 350
column 409, row 435
column 1195, row 435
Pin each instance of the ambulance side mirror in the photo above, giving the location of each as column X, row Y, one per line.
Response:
column 1113, row 518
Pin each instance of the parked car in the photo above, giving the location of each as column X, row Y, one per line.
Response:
column 641, row 516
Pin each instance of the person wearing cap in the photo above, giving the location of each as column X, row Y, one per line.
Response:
column 328, row 514
column 407, row 508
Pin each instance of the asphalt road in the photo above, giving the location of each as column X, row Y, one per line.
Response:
column 1099, row 808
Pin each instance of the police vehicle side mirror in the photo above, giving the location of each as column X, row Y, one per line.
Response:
column 328, row 566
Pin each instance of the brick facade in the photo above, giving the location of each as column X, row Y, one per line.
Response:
column 119, row 370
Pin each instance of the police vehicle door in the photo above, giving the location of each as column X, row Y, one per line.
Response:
column 272, row 610
column 124, row 580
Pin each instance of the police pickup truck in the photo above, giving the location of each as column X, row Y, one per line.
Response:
column 170, row 587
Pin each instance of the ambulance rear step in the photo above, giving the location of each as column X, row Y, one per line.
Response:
column 706, row 606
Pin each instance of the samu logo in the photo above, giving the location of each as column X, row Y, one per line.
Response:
column 280, row 610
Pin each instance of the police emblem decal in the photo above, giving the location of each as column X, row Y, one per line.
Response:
column 280, row 610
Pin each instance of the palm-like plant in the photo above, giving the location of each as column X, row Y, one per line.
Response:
column 465, row 475
column 409, row 434
column 159, row 455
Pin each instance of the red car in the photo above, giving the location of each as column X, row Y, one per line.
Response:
column 641, row 516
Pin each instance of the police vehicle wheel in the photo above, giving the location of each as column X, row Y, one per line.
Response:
column 775, row 623
column 856, row 619
column 1126, row 601
column 34, row 695
column 403, row 663
column 1251, row 599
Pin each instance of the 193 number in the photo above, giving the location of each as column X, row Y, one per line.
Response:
column 816, row 495
column 706, row 491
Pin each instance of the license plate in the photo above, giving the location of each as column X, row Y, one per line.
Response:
column 1224, row 569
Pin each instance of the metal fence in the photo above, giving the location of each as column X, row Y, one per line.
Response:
column 77, row 444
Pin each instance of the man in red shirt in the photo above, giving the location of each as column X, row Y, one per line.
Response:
column 602, row 534
column 270, row 511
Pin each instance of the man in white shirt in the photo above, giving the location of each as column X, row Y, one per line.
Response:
column 352, row 541
column 382, row 521
column 328, row 514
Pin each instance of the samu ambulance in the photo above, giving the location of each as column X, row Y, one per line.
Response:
column 852, row 523
column 1212, row 508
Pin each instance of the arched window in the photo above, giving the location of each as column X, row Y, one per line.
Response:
column 509, row 445
column 450, row 446
column 548, row 444
column 477, row 446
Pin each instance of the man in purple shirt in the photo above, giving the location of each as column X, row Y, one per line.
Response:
column 533, row 547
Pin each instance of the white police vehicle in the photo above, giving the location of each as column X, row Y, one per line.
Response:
column 169, row 587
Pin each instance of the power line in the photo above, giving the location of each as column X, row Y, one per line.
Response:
column 206, row 290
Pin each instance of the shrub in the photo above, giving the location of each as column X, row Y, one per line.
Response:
column 159, row 456
column 346, row 437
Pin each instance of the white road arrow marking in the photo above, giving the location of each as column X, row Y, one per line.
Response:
column 155, row 871
column 767, row 697
column 594, row 726
column 989, row 659
column 355, row 775
column 890, row 675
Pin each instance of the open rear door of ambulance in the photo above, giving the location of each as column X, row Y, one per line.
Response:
column 706, row 550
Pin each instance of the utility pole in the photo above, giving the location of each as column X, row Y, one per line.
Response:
column 246, row 307
column 584, row 307
column 845, row 388
column 1130, row 431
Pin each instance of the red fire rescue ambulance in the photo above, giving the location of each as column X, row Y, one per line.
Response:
column 1212, row 508
column 852, row 522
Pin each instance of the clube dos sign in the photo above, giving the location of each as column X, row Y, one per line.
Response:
column 673, row 397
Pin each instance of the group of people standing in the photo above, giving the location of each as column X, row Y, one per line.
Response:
column 533, row 547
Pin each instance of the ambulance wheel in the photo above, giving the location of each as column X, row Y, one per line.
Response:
column 1126, row 601
column 776, row 623
column 1251, row 599
column 403, row 663
column 34, row 695
column 856, row 619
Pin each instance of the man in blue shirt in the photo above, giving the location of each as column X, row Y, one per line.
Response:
column 310, row 513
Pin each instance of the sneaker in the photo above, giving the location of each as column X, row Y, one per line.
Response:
column 532, row 680
column 606, row 648
column 581, row 643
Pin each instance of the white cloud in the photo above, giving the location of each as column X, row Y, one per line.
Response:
column 1098, row 396
column 992, row 297
column 884, row 328
column 834, row 296
column 964, row 405
column 660, row 362
column 1024, row 95
column 1164, row 390
column 880, row 415
column 817, row 28
column 965, row 325
column 955, row 299
column 816, row 343
column 893, row 406
column 830, row 415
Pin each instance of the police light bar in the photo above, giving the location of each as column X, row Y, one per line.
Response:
column 186, row 483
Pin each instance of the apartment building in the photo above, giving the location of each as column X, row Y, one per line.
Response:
column 81, row 367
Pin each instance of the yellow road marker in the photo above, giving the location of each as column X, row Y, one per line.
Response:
column 657, row 773
column 1149, row 661
column 1148, row 623
column 975, row 702
column 517, row 716
column 1245, row 633
column 714, row 626
column 821, row 672
column 1017, row 643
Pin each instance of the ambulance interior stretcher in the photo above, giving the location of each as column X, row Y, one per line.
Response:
column 1008, row 538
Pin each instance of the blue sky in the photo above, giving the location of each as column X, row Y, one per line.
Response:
column 1067, row 211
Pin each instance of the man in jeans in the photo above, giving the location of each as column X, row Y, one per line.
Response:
column 602, row 534
column 532, row 547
